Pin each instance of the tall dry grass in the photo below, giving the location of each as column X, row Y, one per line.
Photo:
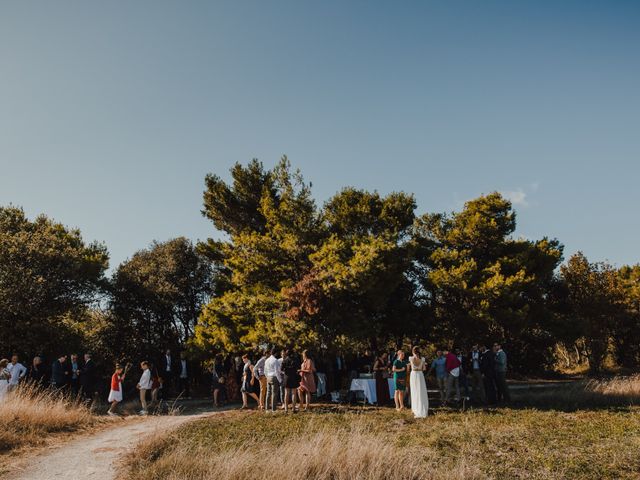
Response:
column 540, row 441
column 585, row 394
column 354, row 453
column 624, row 388
column 29, row 414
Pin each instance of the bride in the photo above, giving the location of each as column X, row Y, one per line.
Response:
column 419, row 397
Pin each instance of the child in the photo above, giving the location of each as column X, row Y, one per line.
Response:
column 144, row 385
column 115, row 395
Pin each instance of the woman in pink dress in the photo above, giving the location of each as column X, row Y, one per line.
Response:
column 307, row 380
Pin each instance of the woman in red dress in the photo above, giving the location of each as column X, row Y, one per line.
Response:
column 307, row 380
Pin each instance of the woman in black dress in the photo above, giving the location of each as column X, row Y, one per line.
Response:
column 380, row 369
column 291, row 378
column 249, row 383
column 218, row 381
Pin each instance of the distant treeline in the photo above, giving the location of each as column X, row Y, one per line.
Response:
column 361, row 271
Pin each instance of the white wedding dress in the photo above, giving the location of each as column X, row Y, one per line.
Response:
column 418, row 388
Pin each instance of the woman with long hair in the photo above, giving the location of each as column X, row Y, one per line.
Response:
column 419, row 396
column 307, row 381
column 249, row 383
column 218, row 379
column 380, row 370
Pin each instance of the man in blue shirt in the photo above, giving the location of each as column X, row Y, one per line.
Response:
column 439, row 365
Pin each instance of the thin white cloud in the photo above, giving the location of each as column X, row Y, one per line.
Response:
column 516, row 197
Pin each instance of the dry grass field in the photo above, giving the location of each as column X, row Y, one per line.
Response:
column 30, row 415
column 589, row 430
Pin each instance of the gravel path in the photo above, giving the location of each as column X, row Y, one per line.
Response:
column 96, row 456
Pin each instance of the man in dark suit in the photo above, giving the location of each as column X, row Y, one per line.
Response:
column 184, row 376
column 88, row 377
column 488, row 370
column 59, row 372
column 168, row 371
column 37, row 372
column 339, row 370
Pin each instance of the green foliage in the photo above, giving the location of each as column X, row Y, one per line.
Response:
column 596, row 307
column 46, row 272
column 157, row 296
column 265, row 254
column 357, row 284
column 627, row 334
column 362, row 270
column 483, row 285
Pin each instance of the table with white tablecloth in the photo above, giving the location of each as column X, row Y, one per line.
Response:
column 368, row 386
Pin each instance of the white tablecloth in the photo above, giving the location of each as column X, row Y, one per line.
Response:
column 368, row 386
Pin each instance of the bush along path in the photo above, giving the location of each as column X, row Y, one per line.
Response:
column 97, row 456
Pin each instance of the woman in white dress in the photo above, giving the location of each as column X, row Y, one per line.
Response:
column 419, row 397
column 4, row 378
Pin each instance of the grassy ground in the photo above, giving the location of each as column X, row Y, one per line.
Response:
column 596, row 436
column 30, row 416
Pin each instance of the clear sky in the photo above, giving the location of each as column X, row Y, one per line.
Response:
column 111, row 113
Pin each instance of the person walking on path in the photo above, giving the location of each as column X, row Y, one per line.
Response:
column 115, row 394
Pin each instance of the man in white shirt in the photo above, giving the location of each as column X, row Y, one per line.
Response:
column 17, row 371
column 273, row 372
column 144, row 385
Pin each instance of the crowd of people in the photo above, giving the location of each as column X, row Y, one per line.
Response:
column 280, row 378
column 479, row 377
column 67, row 372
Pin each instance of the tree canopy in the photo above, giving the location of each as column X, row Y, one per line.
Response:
column 47, row 272
column 365, row 269
column 361, row 270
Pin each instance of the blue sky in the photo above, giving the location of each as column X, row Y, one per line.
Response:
column 112, row 113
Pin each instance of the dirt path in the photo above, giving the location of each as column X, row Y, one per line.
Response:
column 96, row 456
